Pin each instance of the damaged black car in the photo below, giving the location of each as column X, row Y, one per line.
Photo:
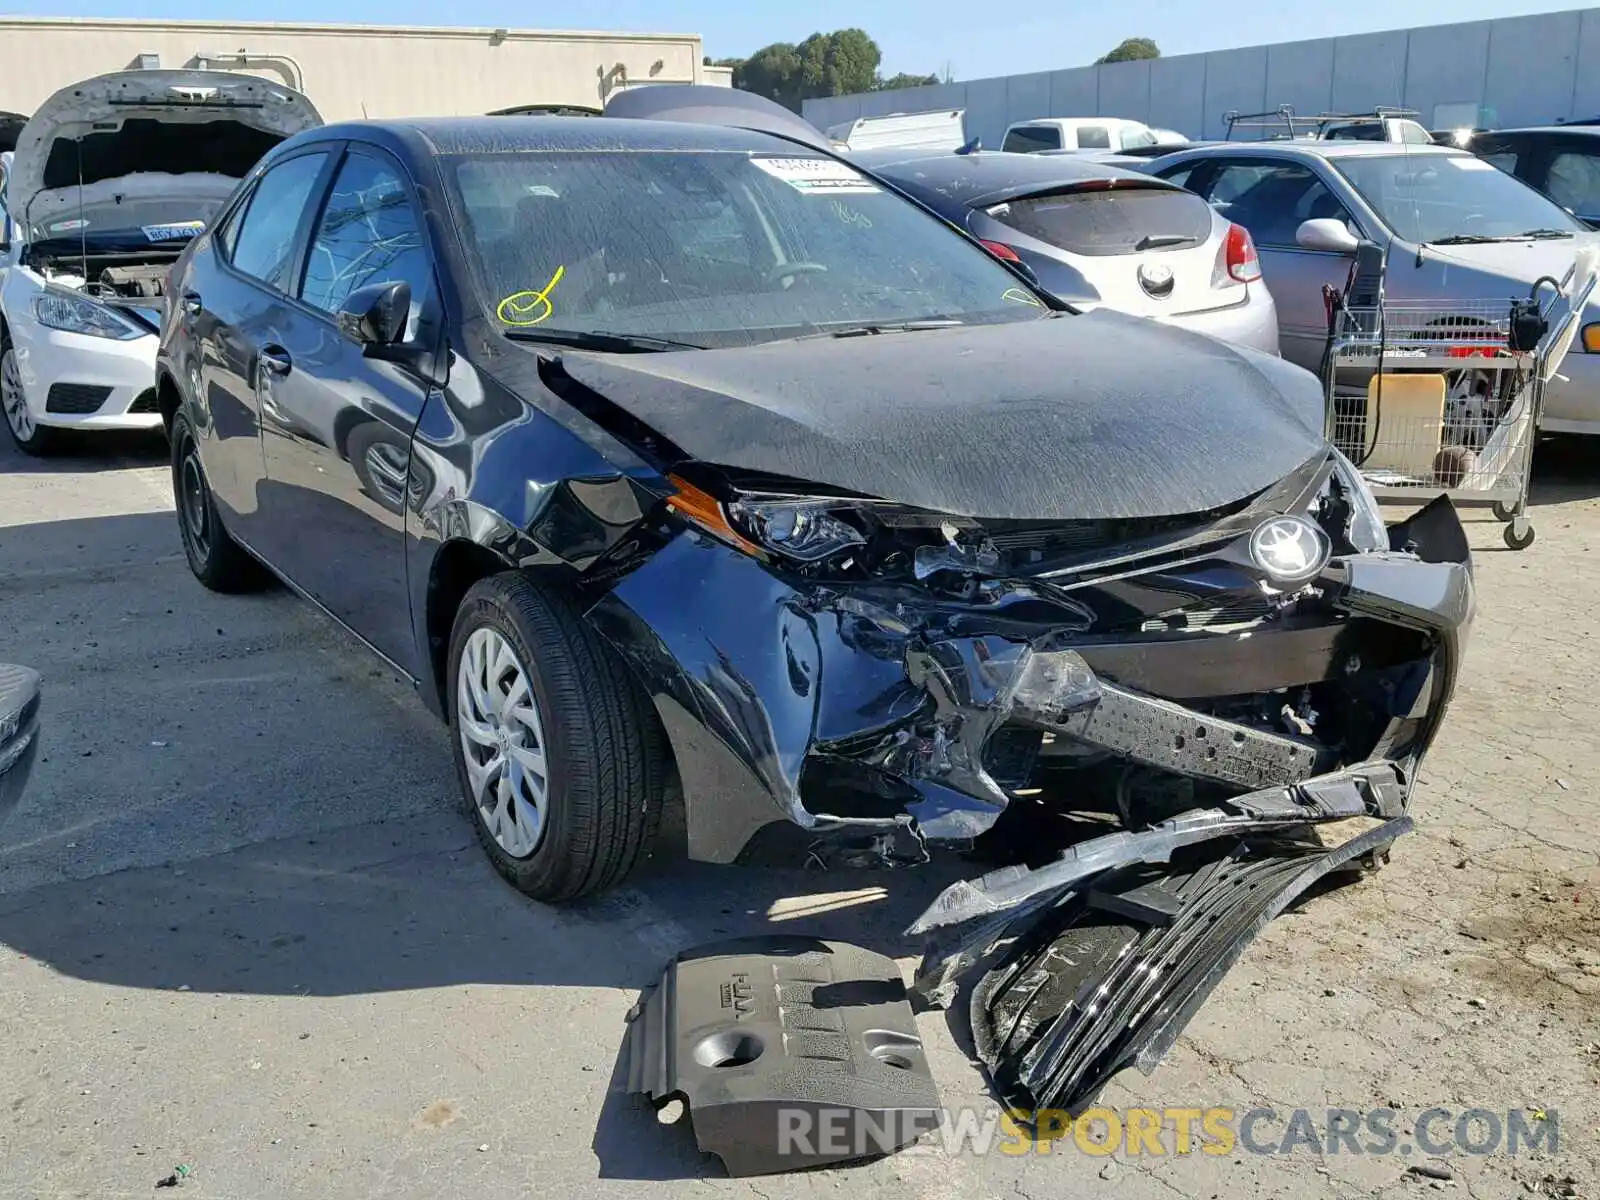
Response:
column 679, row 460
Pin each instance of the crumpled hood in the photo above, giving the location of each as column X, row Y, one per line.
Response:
column 170, row 96
column 1077, row 418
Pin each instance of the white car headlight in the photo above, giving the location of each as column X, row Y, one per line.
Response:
column 1367, row 532
column 79, row 314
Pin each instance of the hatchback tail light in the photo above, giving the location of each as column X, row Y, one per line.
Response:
column 1002, row 251
column 1239, row 255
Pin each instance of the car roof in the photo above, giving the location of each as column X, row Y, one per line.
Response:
column 510, row 134
column 1318, row 148
column 990, row 176
column 1578, row 127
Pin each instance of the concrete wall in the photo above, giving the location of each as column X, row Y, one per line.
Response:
column 354, row 70
column 1530, row 70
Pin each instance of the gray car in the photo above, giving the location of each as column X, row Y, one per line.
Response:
column 1454, row 227
column 1098, row 235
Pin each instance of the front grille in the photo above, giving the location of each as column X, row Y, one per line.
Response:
column 1025, row 543
column 75, row 398
column 1236, row 610
column 145, row 402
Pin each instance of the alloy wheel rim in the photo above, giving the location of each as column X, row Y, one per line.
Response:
column 196, row 514
column 502, row 743
column 13, row 399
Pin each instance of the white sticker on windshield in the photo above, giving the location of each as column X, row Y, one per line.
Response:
column 1472, row 164
column 176, row 231
column 818, row 176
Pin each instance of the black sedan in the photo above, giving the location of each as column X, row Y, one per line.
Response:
column 679, row 459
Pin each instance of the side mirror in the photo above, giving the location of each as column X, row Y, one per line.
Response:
column 1326, row 233
column 376, row 315
column 19, row 732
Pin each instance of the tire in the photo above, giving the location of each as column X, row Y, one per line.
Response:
column 601, row 746
column 33, row 438
column 216, row 559
column 1502, row 511
column 1519, row 535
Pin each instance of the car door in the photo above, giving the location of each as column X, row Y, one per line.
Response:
column 236, row 303
column 1271, row 198
column 336, row 435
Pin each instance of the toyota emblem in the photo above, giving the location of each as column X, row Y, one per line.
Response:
column 1156, row 279
column 1290, row 549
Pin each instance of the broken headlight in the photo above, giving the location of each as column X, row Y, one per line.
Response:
column 803, row 528
column 1364, row 526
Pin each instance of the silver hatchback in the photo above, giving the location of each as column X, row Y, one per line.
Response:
column 1099, row 235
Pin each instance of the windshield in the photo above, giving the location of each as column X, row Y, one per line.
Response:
column 1437, row 197
column 714, row 248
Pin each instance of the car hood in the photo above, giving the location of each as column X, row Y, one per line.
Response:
column 109, row 112
column 1523, row 262
column 1086, row 417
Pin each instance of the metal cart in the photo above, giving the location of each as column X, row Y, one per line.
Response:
column 1444, row 397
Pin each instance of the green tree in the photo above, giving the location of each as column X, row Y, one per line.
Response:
column 825, row 64
column 1131, row 50
column 903, row 80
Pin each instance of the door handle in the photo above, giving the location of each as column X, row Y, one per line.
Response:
column 275, row 360
column 190, row 303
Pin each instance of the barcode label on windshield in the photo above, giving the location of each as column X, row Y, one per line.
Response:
column 820, row 176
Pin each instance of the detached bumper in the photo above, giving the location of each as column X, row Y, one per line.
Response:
column 882, row 708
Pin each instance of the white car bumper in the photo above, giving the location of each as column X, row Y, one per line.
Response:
column 1572, row 398
column 73, row 381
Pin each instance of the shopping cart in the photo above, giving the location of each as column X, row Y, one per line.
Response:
column 1430, row 397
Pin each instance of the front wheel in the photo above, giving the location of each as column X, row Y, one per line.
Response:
column 558, row 751
column 28, row 434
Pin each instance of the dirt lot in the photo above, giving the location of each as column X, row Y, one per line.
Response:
column 243, row 927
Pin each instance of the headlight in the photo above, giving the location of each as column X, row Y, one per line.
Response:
column 78, row 314
column 803, row 528
column 1367, row 532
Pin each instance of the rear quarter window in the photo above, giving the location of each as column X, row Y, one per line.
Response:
column 1115, row 221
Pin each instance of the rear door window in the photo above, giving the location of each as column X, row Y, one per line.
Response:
column 264, row 246
column 1111, row 221
column 1094, row 137
column 1029, row 139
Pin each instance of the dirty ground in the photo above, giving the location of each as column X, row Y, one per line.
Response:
column 244, row 931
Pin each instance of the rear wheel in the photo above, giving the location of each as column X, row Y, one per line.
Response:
column 28, row 434
column 558, row 751
column 216, row 559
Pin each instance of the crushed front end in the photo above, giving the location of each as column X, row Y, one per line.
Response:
column 886, row 678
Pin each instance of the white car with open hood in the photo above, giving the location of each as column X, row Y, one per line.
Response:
column 110, row 180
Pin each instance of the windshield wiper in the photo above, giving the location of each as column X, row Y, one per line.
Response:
column 600, row 339
column 1151, row 241
column 1478, row 239
column 892, row 327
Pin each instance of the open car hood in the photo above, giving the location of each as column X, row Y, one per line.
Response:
column 1092, row 417
column 115, row 133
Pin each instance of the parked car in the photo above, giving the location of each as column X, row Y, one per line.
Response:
column 109, row 179
column 723, row 469
column 1282, row 124
column 1562, row 161
column 19, row 732
column 1453, row 227
column 1093, row 234
column 1077, row 133
column 941, row 130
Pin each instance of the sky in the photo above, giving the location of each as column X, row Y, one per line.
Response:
column 920, row 36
